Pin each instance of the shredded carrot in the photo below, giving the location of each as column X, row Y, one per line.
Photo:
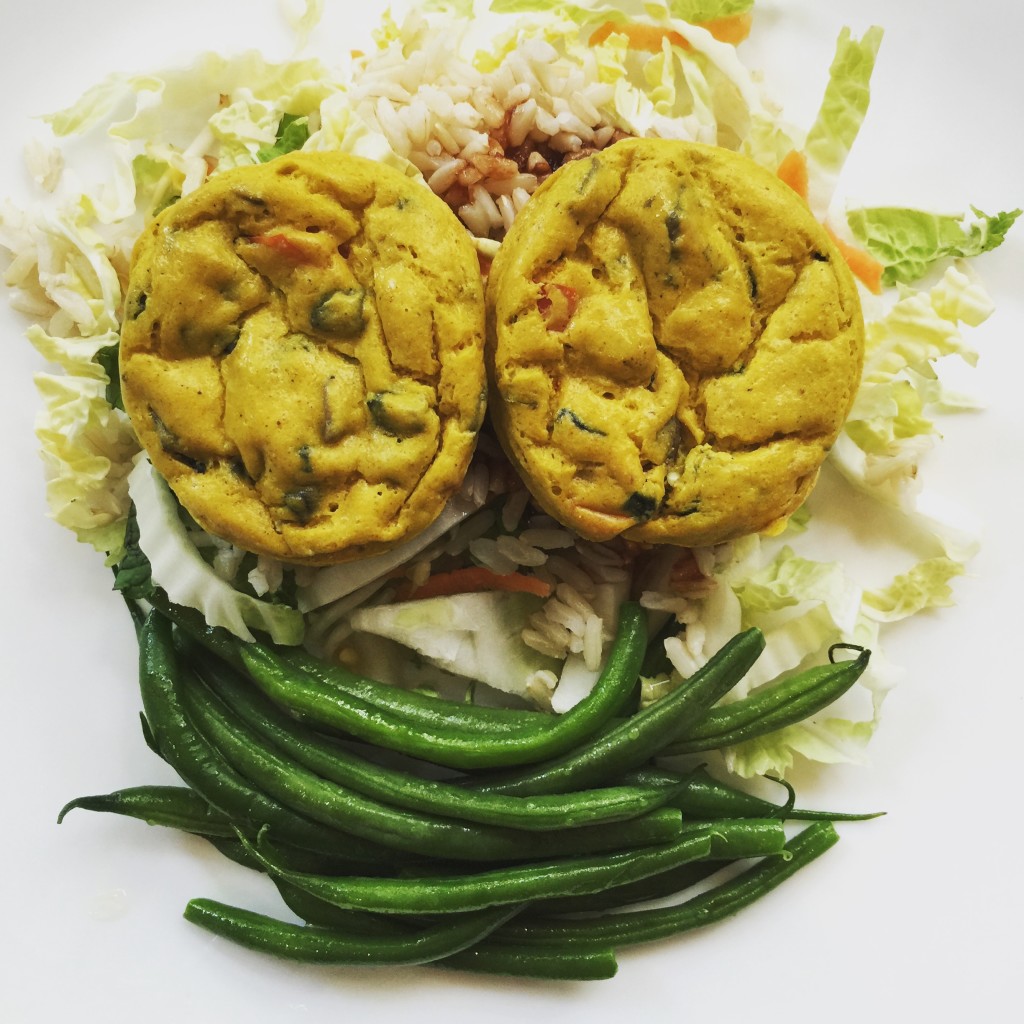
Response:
column 641, row 36
column 793, row 171
column 733, row 28
column 638, row 35
column 474, row 579
column 862, row 264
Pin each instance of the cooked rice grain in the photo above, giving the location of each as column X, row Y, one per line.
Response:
column 433, row 107
column 593, row 642
column 487, row 553
column 547, row 538
column 522, row 554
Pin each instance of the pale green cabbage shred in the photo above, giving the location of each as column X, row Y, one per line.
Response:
column 68, row 259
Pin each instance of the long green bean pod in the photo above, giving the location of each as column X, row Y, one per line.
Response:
column 774, row 706
column 326, row 946
column 553, row 964
column 437, row 731
column 717, row 903
column 534, row 881
column 699, row 795
column 644, row 735
column 656, row 887
column 486, row 957
column 171, row 806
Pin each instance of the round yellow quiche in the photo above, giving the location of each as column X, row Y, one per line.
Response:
column 302, row 355
column 674, row 343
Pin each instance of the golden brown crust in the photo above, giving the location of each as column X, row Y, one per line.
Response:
column 674, row 344
column 301, row 355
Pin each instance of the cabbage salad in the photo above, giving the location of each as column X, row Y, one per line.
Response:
column 480, row 101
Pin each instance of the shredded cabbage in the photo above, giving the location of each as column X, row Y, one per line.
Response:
column 803, row 607
column 889, row 428
column 840, row 116
column 187, row 578
column 303, row 16
column 477, row 636
column 64, row 275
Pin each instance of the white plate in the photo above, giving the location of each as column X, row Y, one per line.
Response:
column 915, row 915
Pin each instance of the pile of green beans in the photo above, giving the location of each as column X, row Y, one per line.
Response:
column 405, row 829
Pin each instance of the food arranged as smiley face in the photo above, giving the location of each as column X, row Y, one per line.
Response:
column 674, row 344
column 302, row 355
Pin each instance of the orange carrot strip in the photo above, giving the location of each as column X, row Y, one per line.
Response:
column 733, row 28
column 640, row 36
column 863, row 265
column 793, row 171
column 474, row 579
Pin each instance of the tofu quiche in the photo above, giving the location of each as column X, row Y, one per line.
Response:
column 302, row 355
column 673, row 342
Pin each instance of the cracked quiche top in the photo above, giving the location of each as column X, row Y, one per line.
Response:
column 674, row 343
column 301, row 355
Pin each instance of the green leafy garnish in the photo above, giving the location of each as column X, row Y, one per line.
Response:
column 108, row 359
column 292, row 134
column 133, row 576
column 909, row 242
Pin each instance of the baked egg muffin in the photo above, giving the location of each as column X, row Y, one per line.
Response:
column 302, row 355
column 674, row 343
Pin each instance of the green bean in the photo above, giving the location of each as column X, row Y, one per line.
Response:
column 342, row 808
column 402, row 789
column 569, row 876
column 148, row 737
column 183, row 809
column 774, row 707
column 655, row 659
column 215, row 639
column 422, row 708
column 635, row 740
column 438, row 731
column 486, row 957
column 234, row 851
column 201, row 766
column 721, row 901
column 661, row 886
column 699, row 795
column 742, row 837
column 735, row 845
column 464, row 892
column 310, row 944
column 172, row 806
column 326, row 915
column 298, row 859
column 548, row 964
